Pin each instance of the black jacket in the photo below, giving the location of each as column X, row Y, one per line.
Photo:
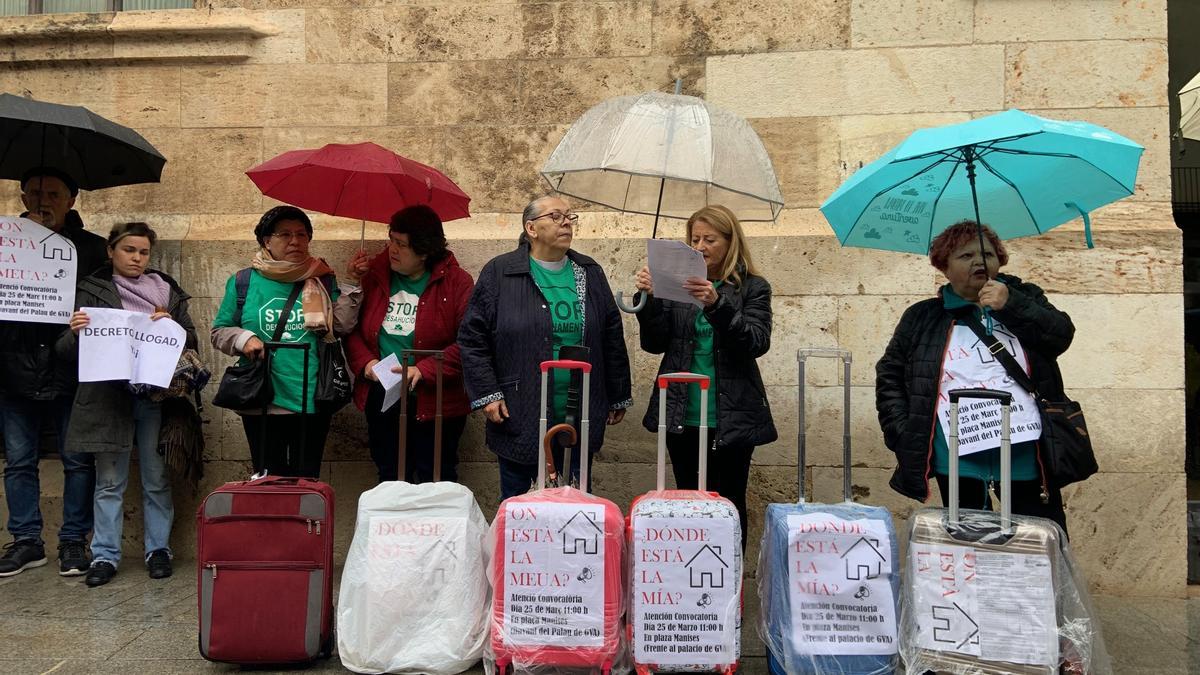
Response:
column 741, row 321
column 908, row 374
column 507, row 332
column 102, row 416
column 28, row 367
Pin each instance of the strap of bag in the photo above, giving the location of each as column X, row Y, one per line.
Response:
column 241, row 285
column 1006, row 359
column 287, row 310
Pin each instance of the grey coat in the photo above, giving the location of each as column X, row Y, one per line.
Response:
column 102, row 417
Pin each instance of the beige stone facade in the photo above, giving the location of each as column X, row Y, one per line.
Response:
column 484, row 90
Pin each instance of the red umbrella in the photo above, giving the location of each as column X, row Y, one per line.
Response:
column 363, row 181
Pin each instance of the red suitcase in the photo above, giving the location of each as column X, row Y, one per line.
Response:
column 265, row 578
column 558, row 569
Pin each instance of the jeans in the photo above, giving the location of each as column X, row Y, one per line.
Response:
column 516, row 478
column 22, row 420
column 294, row 446
column 383, row 433
column 112, row 476
column 728, row 468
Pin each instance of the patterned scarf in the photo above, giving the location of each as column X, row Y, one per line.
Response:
column 318, row 306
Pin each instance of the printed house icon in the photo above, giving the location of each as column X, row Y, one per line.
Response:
column 698, row 575
column 56, row 247
column 1004, row 337
column 581, row 530
column 444, row 553
column 863, row 560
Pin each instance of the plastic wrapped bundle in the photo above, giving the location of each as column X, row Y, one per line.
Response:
column 414, row 593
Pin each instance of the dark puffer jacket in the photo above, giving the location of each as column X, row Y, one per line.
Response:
column 908, row 374
column 506, row 333
column 28, row 367
column 741, row 321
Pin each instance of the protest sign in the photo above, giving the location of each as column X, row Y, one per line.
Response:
column 121, row 345
column 37, row 273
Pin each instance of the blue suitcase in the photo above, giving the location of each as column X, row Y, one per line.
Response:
column 829, row 573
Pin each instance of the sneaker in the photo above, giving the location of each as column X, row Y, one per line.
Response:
column 72, row 558
column 100, row 573
column 20, row 556
column 159, row 564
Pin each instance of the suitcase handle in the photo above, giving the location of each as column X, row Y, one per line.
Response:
column 703, row 381
column 802, row 356
column 543, row 422
column 439, row 357
column 1005, row 400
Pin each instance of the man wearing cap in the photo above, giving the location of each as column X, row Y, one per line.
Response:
column 35, row 389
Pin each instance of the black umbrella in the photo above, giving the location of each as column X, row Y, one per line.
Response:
column 96, row 152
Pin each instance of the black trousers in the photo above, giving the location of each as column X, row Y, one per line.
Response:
column 383, row 434
column 728, row 468
column 294, row 443
column 1026, row 498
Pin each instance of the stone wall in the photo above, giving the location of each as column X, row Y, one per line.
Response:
column 484, row 90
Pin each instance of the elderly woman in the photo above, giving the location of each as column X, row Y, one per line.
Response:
column 108, row 419
column 526, row 306
column 720, row 338
column 255, row 305
column 414, row 297
column 935, row 349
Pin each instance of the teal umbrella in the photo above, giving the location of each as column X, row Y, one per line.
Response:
column 1018, row 173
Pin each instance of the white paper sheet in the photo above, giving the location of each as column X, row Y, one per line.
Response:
column 671, row 263
column 37, row 273
column 390, row 381
column 121, row 345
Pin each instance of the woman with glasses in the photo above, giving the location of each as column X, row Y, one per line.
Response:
column 527, row 306
column 414, row 297
column 289, row 293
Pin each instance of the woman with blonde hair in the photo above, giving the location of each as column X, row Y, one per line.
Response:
column 721, row 339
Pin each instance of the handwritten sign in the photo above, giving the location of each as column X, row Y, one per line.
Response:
column 554, row 574
column 686, row 591
column 121, row 345
column 990, row 605
column 37, row 273
column 839, row 573
column 419, row 554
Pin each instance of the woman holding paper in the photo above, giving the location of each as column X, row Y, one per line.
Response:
column 414, row 297
column 109, row 419
column 934, row 349
column 720, row 333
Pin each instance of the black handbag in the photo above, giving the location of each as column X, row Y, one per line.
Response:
column 334, row 387
column 247, row 386
column 1067, row 453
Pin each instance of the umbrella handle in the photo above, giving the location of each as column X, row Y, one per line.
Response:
column 637, row 307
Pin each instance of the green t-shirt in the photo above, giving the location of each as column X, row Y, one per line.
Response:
column 703, row 363
column 265, row 300
column 558, row 287
column 400, row 319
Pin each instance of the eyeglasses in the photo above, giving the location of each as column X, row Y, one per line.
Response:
column 558, row 217
column 290, row 236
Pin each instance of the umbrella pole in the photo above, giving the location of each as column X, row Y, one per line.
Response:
column 662, row 183
column 969, row 154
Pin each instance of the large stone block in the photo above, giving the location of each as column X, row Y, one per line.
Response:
column 859, row 81
column 1111, row 349
column 139, row 96
column 865, row 325
column 215, row 34
column 417, row 32
column 498, row 166
column 1009, row 21
column 1127, row 532
column 727, row 26
column 819, row 265
column 893, row 23
column 1123, row 261
column 1135, row 430
column 558, row 91
column 586, row 29
column 454, row 92
column 800, row 321
column 1097, row 74
column 414, row 142
column 823, row 445
column 284, row 95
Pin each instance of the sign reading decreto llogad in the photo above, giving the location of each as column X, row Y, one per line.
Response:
column 121, row 345
column 37, row 273
column 554, row 574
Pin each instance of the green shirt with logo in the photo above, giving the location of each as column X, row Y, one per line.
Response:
column 265, row 300
column 400, row 318
column 703, row 363
column 558, row 287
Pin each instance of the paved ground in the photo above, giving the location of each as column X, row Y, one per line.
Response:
column 134, row 625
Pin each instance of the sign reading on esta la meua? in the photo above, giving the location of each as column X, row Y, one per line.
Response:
column 121, row 345
column 839, row 575
column 554, row 574
column 37, row 273
column 686, row 591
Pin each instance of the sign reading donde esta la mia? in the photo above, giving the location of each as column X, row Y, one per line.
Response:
column 37, row 273
column 121, row 345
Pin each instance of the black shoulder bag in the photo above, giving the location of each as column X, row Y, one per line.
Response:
column 1068, row 454
column 334, row 386
column 248, row 385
